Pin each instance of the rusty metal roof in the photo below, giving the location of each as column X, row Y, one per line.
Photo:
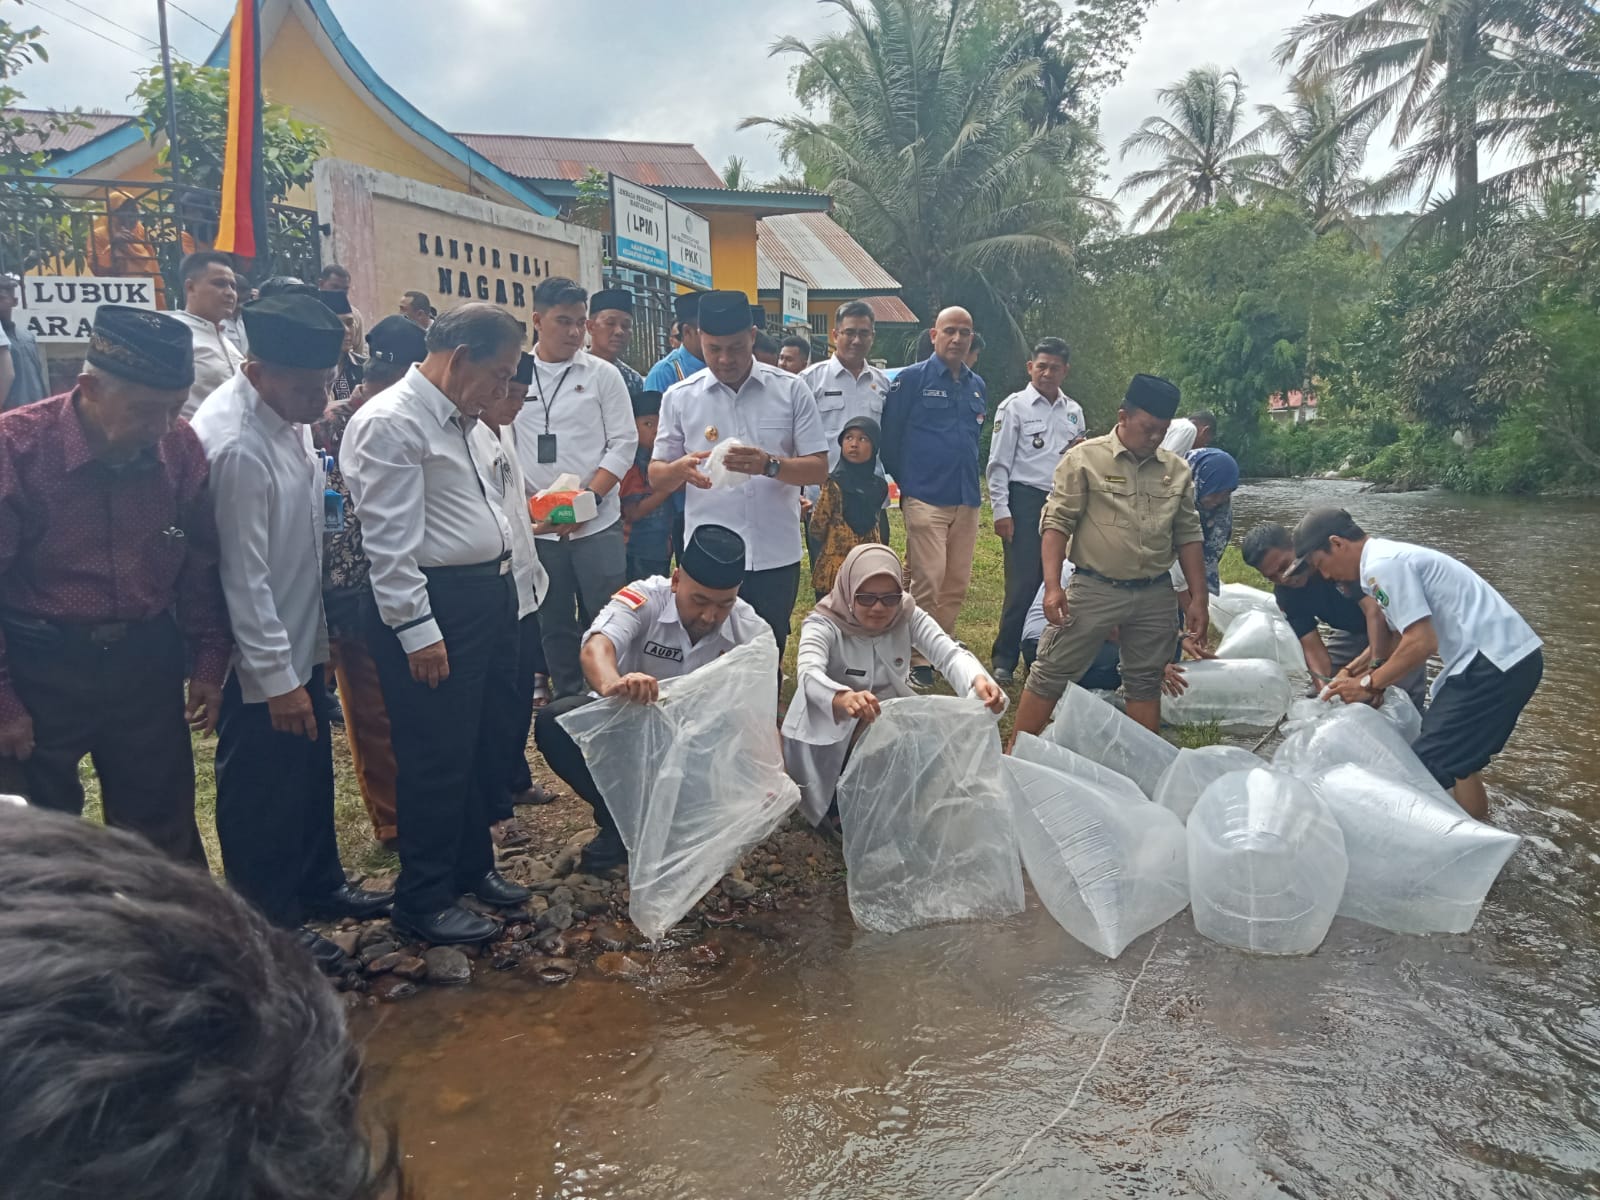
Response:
column 891, row 310
column 92, row 125
column 653, row 164
column 811, row 246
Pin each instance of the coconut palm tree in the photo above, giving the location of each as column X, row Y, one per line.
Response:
column 1446, row 72
column 734, row 173
column 1320, row 151
column 1206, row 153
column 928, row 153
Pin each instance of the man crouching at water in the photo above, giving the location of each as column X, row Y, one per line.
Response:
column 1492, row 658
column 653, row 629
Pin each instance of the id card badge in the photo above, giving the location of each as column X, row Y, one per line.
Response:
column 547, row 447
column 332, row 512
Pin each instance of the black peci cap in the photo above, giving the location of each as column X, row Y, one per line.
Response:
column 143, row 346
column 337, row 302
column 646, row 404
column 615, row 298
column 714, row 557
column 397, row 340
column 758, row 316
column 1156, row 396
column 294, row 331
column 722, row 313
column 686, row 307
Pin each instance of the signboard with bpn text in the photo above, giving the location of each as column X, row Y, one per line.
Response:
column 796, row 300
column 689, row 246
column 639, row 227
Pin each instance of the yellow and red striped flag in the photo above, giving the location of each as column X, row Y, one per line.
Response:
column 242, row 228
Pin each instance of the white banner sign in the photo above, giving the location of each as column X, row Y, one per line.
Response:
column 60, row 308
column 796, row 300
column 689, row 235
column 638, row 226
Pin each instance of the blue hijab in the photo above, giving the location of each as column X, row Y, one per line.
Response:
column 1214, row 471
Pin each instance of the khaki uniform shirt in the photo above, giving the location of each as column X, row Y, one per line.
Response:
column 1125, row 518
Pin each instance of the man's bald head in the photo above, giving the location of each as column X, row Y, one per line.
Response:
column 952, row 336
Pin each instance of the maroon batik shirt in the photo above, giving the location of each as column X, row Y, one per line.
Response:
column 85, row 544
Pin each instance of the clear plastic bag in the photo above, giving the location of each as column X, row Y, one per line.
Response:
column 1322, row 735
column 694, row 780
column 1106, row 869
column 1100, row 733
column 1237, row 693
column 1235, row 600
column 1070, row 762
column 1258, row 634
column 1267, row 863
column 1399, row 710
column 1195, row 770
column 1418, row 863
column 928, row 834
column 717, row 466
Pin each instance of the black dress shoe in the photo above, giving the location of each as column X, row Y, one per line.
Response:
column 604, row 852
column 495, row 888
column 348, row 900
column 331, row 961
column 451, row 927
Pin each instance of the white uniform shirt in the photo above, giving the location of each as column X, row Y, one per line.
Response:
column 1469, row 616
column 266, row 487
column 773, row 410
column 526, row 569
column 1033, row 625
column 216, row 359
column 1180, row 436
column 831, row 661
column 842, row 397
column 584, row 405
column 1030, row 436
column 427, row 484
column 642, row 623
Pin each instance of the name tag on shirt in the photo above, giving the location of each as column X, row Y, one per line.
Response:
column 657, row 650
column 834, row 392
column 859, row 674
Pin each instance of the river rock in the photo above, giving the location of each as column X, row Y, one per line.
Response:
column 348, row 940
column 535, row 870
column 561, row 894
column 392, row 987
column 446, row 964
column 735, row 888
column 612, row 937
column 553, row 942
column 555, row 970
column 566, row 860
column 616, row 965
column 450, row 1102
column 591, row 901
column 378, row 931
column 387, row 963
column 519, row 932
column 774, row 870
column 578, row 937
column 557, row 916
column 373, row 951
column 411, row 967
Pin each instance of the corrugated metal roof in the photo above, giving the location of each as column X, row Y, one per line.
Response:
column 812, row 247
column 93, row 125
column 891, row 310
column 653, row 164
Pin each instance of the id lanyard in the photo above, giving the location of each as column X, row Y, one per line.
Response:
column 546, row 442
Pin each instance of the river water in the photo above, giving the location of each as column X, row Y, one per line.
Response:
column 1009, row 1061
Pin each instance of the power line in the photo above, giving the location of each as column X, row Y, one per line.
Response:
column 194, row 18
column 103, row 37
column 113, row 24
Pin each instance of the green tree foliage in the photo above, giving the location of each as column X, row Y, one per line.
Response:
column 735, row 174
column 290, row 151
column 1206, row 152
column 22, row 135
column 1320, row 152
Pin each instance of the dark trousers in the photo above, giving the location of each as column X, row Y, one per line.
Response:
column 530, row 662
column 122, row 705
column 1024, row 573
column 772, row 594
column 275, row 806
column 566, row 760
column 450, row 741
column 584, row 574
column 644, row 566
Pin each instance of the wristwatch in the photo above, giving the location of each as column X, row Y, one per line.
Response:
column 772, row 468
column 1366, row 682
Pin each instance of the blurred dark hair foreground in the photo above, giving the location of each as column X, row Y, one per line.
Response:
column 159, row 1040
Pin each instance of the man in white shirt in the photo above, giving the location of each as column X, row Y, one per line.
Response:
column 651, row 630
column 1033, row 428
column 847, row 386
column 773, row 415
column 1194, row 432
column 210, row 294
column 1492, row 658
column 274, row 752
column 428, row 481
column 578, row 421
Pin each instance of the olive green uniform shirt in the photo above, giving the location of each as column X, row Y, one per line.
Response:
column 1125, row 518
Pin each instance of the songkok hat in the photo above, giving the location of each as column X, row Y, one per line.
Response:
column 143, row 346
column 686, row 307
column 758, row 316
column 294, row 331
column 722, row 313
column 1158, row 397
column 397, row 340
column 714, row 557
column 616, row 298
column 646, row 404
column 338, row 302
column 524, row 374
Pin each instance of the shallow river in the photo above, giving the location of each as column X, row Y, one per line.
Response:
column 1009, row 1061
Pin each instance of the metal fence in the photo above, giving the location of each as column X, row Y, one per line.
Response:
column 117, row 228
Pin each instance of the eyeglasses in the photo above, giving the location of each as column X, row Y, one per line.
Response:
column 869, row 600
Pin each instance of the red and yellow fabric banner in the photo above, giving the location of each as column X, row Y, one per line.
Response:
column 243, row 225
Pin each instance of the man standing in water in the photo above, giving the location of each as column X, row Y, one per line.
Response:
column 1493, row 660
column 1127, row 507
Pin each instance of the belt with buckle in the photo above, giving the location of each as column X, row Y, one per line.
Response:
column 1152, row 581
column 483, row 570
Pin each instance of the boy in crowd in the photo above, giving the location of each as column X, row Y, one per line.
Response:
column 646, row 513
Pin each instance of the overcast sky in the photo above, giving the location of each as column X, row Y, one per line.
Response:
column 649, row 69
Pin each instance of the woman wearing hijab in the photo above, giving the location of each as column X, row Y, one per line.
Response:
column 849, row 504
column 855, row 650
column 1216, row 476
